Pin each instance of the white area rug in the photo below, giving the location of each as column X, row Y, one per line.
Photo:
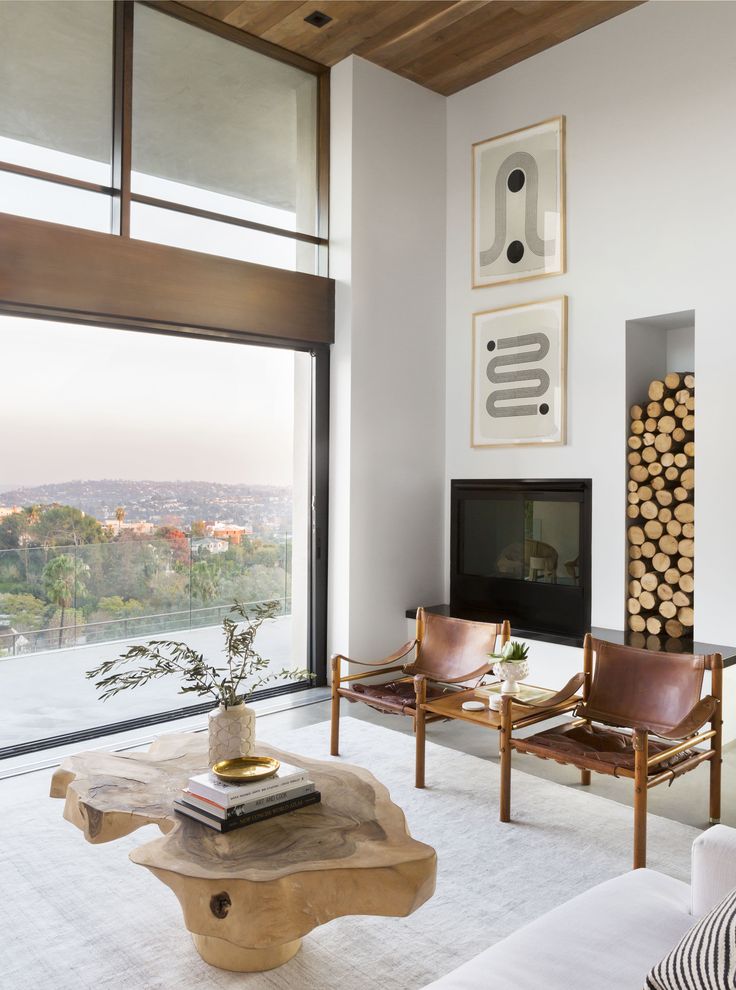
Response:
column 80, row 917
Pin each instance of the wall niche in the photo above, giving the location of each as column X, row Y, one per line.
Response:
column 660, row 473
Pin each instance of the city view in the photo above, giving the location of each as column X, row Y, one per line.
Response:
column 91, row 561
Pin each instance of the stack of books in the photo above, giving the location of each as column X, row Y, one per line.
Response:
column 225, row 807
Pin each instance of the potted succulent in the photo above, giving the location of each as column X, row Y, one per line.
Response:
column 232, row 724
column 511, row 666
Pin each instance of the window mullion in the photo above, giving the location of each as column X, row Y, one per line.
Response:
column 122, row 115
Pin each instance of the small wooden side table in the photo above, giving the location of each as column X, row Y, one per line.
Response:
column 450, row 706
column 249, row 896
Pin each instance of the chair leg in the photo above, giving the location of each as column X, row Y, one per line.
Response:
column 585, row 774
column 717, row 759
column 420, row 697
column 335, row 713
column 504, row 748
column 714, row 814
column 641, row 755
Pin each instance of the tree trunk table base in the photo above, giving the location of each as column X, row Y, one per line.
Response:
column 226, row 955
column 249, row 896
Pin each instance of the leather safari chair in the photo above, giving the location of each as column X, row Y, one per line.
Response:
column 450, row 653
column 642, row 717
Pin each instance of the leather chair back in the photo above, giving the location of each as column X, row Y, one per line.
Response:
column 640, row 688
column 452, row 648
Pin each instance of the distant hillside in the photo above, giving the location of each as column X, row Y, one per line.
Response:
column 263, row 507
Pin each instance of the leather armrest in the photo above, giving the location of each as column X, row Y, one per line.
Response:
column 697, row 716
column 401, row 652
column 441, row 679
column 567, row 693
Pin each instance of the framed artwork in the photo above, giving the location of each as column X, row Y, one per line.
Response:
column 519, row 386
column 519, row 205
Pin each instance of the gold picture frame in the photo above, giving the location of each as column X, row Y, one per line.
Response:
column 528, row 333
column 505, row 170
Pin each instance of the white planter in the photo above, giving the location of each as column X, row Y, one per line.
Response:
column 510, row 675
column 232, row 732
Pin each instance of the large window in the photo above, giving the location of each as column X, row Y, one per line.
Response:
column 148, row 482
column 194, row 92
column 56, row 111
column 56, row 75
column 126, row 119
column 148, row 477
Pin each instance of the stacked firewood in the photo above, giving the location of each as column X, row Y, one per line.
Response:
column 661, row 510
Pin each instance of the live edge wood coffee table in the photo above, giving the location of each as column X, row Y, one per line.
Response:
column 451, row 706
column 249, row 896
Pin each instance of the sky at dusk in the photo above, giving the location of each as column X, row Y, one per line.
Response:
column 80, row 403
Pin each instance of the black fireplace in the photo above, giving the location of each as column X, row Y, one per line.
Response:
column 520, row 550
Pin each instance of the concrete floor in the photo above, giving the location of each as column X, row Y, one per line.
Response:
column 686, row 801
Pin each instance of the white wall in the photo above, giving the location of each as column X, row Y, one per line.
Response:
column 654, row 347
column 387, row 218
column 651, row 146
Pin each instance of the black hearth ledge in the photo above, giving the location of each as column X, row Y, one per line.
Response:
column 611, row 635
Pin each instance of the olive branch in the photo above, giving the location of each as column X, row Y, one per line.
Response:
column 164, row 657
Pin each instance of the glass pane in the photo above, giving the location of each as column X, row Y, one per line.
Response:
column 552, row 544
column 492, row 545
column 222, row 127
column 151, row 223
column 52, row 201
column 129, row 551
column 56, row 85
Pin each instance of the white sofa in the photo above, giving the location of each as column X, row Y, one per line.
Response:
column 609, row 937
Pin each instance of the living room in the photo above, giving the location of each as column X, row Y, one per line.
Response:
column 291, row 236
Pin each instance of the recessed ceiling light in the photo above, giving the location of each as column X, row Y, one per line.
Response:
column 318, row 18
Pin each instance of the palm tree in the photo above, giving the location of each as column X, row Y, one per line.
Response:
column 204, row 582
column 120, row 516
column 31, row 516
column 63, row 581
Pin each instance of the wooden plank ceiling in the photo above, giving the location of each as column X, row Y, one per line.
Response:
column 444, row 45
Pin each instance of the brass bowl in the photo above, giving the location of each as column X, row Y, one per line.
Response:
column 245, row 769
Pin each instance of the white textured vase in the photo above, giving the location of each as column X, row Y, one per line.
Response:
column 232, row 732
column 510, row 675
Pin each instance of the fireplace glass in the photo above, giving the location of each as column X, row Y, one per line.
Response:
column 530, row 535
column 529, row 539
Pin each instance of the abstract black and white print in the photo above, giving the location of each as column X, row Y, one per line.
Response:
column 518, row 221
column 519, row 358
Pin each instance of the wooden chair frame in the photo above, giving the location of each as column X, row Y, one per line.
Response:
column 684, row 736
column 390, row 665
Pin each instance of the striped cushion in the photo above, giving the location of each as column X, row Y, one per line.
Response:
column 705, row 958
